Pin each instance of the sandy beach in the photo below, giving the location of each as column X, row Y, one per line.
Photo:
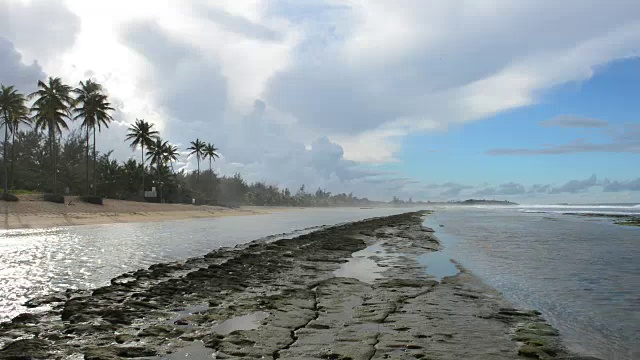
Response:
column 308, row 297
column 32, row 212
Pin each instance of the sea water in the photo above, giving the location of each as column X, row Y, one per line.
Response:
column 582, row 273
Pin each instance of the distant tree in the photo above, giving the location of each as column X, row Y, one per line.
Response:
column 93, row 107
column 11, row 106
column 141, row 134
column 52, row 109
column 210, row 152
column 198, row 148
column 170, row 154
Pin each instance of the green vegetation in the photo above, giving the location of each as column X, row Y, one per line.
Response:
column 46, row 159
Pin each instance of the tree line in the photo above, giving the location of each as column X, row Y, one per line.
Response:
column 41, row 154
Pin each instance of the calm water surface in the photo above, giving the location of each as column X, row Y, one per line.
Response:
column 582, row 273
column 36, row 262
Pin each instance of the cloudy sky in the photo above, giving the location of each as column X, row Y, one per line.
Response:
column 532, row 101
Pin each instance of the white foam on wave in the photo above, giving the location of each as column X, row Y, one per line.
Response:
column 636, row 206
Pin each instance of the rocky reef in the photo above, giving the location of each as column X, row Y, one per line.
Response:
column 282, row 299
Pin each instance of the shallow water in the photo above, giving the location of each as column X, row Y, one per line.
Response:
column 361, row 266
column 35, row 262
column 439, row 264
column 244, row 322
column 583, row 274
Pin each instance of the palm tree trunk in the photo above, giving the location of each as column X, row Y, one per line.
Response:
column 94, row 161
column 52, row 146
column 13, row 157
column 210, row 180
column 4, row 156
column 143, row 169
column 87, row 163
column 55, row 163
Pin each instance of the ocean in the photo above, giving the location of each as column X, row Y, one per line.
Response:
column 582, row 273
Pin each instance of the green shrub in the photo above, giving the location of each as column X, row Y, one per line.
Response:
column 97, row 200
column 58, row 199
column 8, row 197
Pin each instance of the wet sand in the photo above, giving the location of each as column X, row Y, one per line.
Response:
column 32, row 212
column 354, row 291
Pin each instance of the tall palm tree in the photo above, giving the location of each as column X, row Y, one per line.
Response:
column 12, row 110
column 92, row 106
column 141, row 133
column 171, row 154
column 197, row 147
column 156, row 154
column 20, row 115
column 156, row 151
column 52, row 108
column 210, row 152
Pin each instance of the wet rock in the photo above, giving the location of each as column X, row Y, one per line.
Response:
column 124, row 338
column 117, row 352
column 25, row 318
column 26, row 349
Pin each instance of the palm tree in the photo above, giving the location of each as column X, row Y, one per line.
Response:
column 20, row 116
column 156, row 151
column 51, row 108
column 92, row 106
column 141, row 133
column 12, row 112
column 197, row 147
column 156, row 154
column 171, row 154
column 210, row 152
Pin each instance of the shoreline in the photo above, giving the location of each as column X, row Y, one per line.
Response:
column 290, row 298
column 30, row 212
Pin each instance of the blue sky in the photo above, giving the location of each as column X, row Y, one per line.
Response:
column 532, row 101
column 459, row 153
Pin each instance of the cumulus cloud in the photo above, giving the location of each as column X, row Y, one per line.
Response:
column 313, row 91
column 235, row 23
column 187, row 86
column 572, row 121
column 379, row 67
column 14, row 72
column 39, row 28
column 575, row 186
column 615, row 186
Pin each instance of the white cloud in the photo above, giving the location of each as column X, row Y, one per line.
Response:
column 340, row 83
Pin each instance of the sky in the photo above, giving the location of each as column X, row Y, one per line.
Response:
column 530, row 101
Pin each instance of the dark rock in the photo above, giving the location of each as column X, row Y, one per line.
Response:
column 96, row 200
column 55, row 198
column 25, row 318
column 26, row 349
